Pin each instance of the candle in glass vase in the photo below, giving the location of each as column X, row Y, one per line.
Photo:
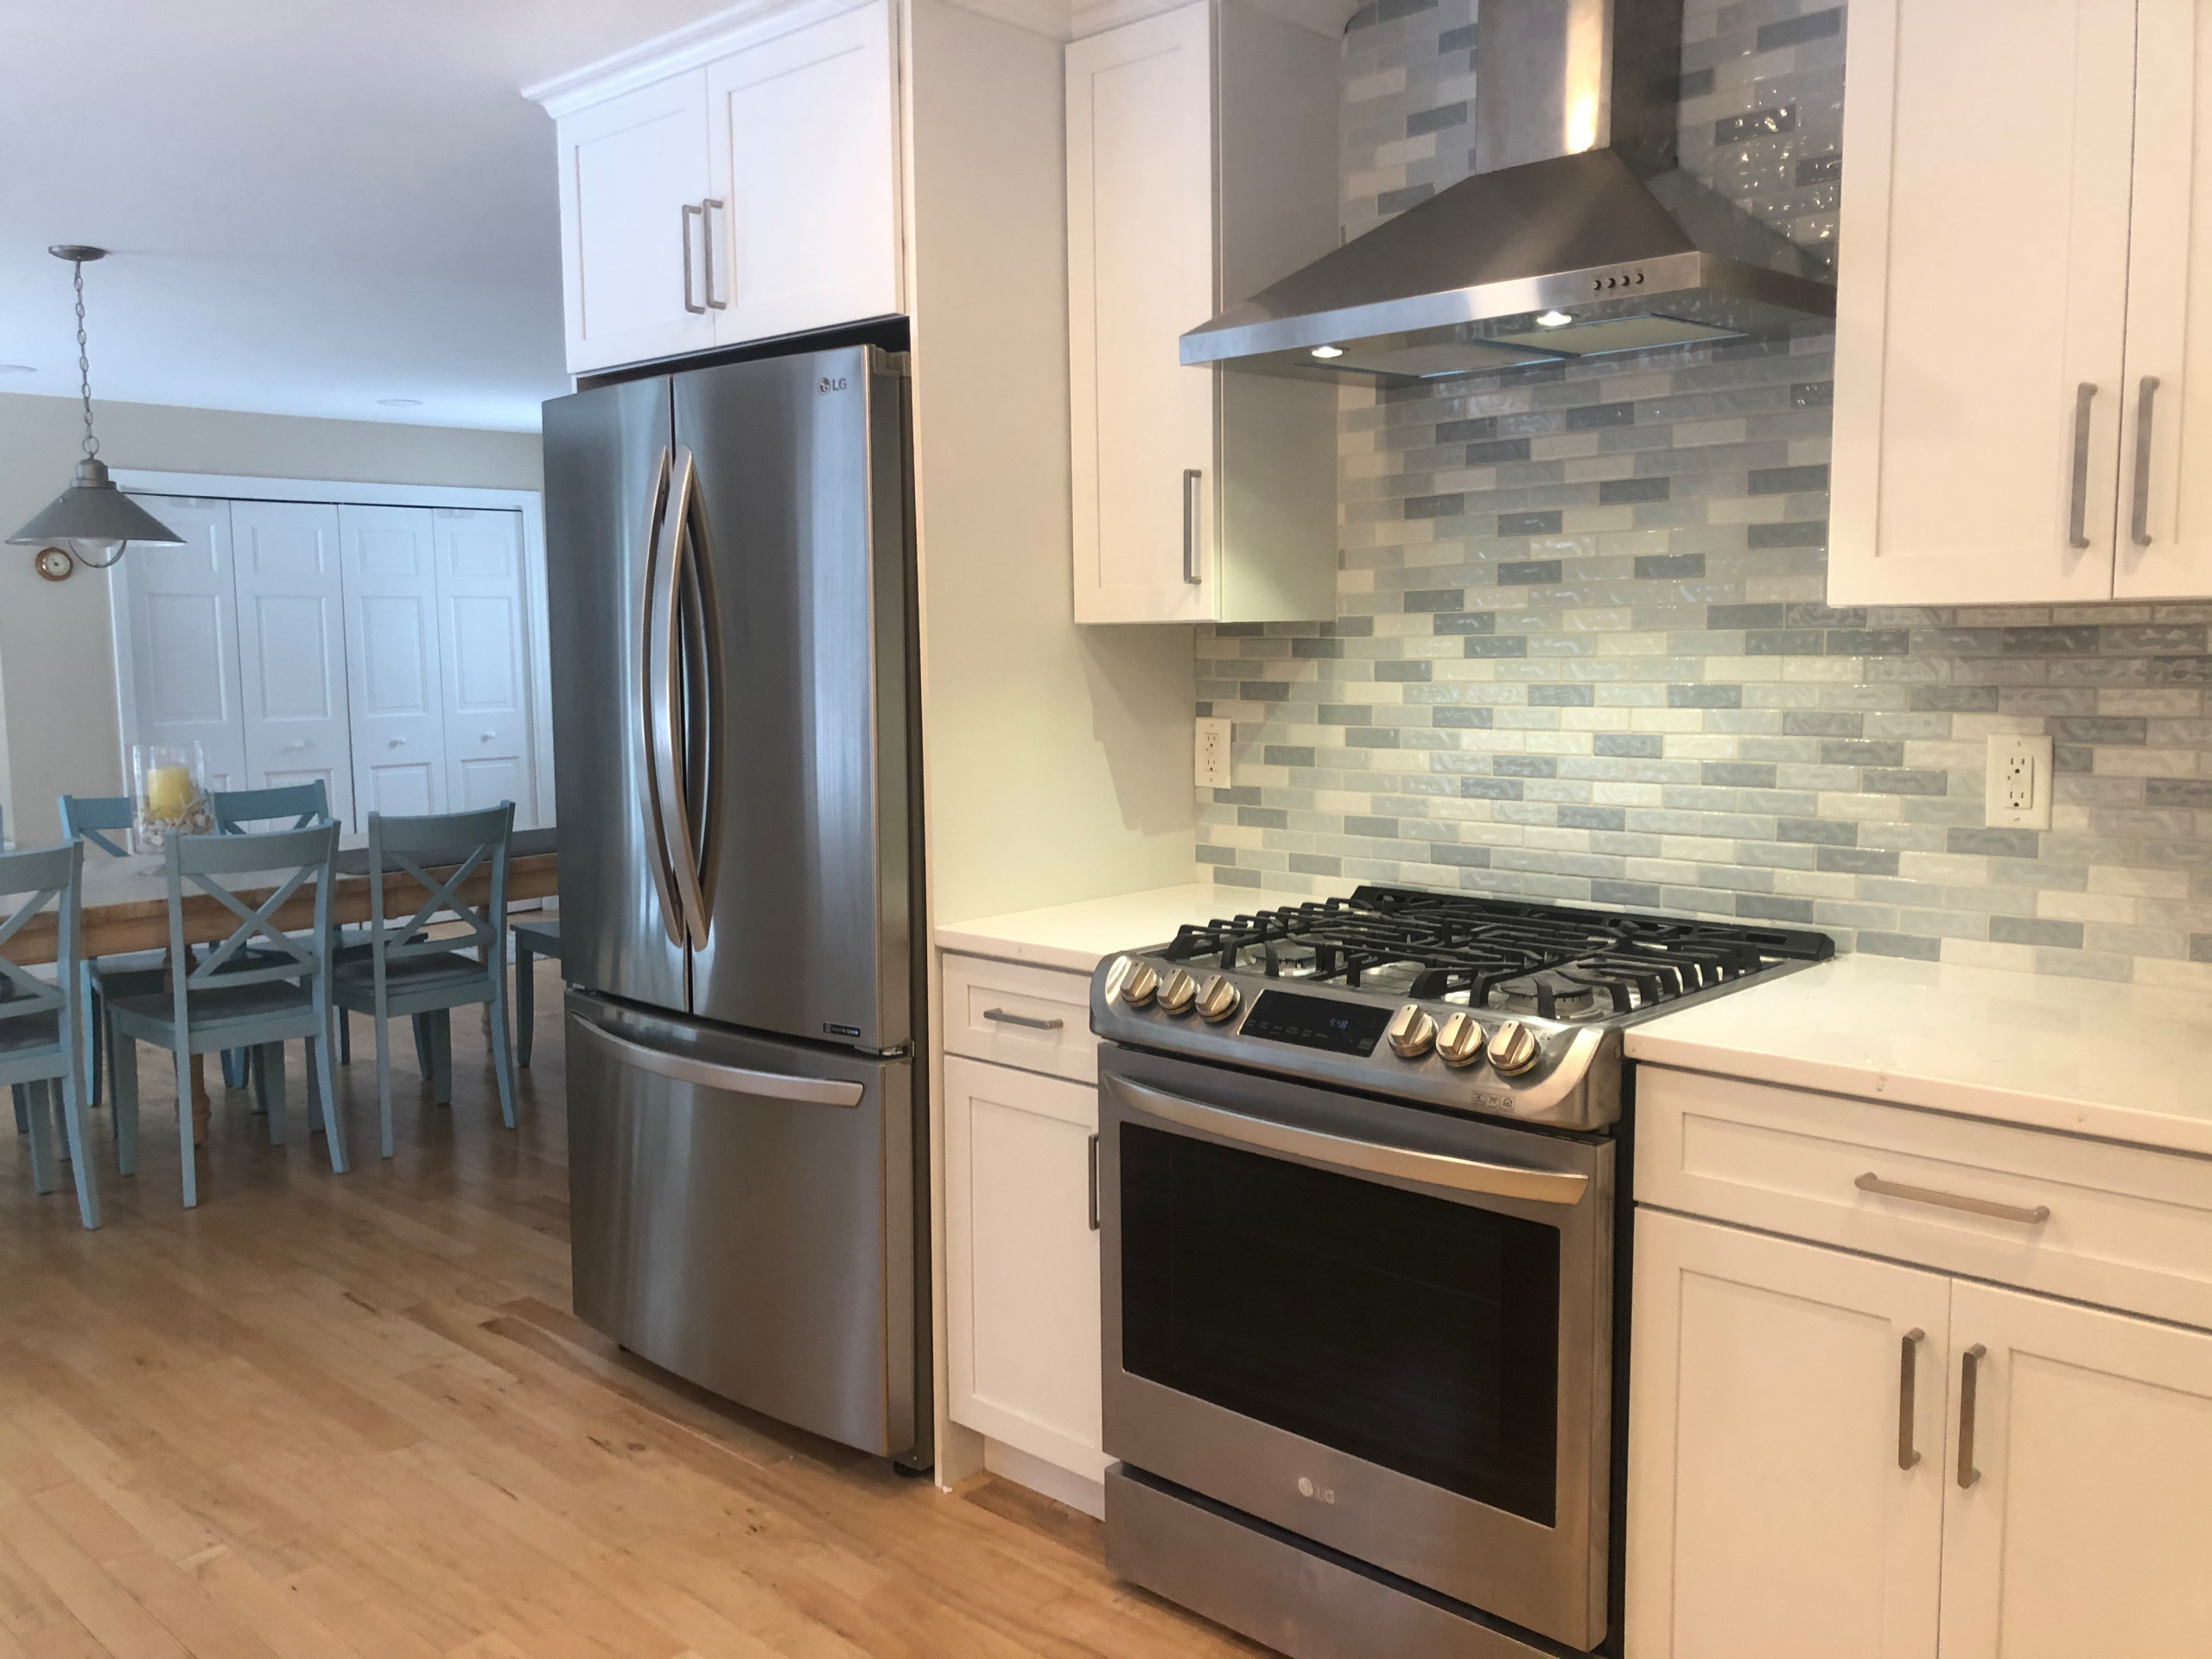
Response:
column 169, row 792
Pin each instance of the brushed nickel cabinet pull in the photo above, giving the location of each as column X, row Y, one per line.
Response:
column 2139, row 530
column 691, row 208
column 1908, row 1364
column 707, row 254
column 1870, row 1182
column 1022, row 1020
column 2077, row 522
column 1969, row 1385
column 1094, row 1183
column 1191, row 477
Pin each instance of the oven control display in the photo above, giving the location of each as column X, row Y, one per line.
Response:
column 1317, row 1022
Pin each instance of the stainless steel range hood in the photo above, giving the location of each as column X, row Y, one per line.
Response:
column 1581, row 236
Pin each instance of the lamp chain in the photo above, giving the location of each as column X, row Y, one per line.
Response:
column 92, row 444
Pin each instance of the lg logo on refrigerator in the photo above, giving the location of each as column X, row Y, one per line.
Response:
column 826, row 385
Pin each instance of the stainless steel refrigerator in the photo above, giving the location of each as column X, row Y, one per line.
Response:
column 731, row 582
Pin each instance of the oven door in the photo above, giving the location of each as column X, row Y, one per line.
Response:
column 1385, row 1329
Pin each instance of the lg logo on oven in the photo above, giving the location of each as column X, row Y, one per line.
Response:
column 1321, row 1494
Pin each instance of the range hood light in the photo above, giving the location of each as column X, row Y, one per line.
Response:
column 1328, row 350
column 1553, row 320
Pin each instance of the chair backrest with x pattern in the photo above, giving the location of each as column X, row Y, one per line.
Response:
column 87, row 818
column 235, row 809
column 286, row 860
column 29, row 882
column 467, row 842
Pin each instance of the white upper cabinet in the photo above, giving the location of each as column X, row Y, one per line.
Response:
column 2165, row 394
column 1201, row 167
column 803, row 215
column 2000, row 314
column 729, row 185
column 633, row 177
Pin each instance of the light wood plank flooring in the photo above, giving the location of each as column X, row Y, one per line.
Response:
column 353, row 1416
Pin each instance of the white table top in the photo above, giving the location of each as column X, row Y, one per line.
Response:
column 1077, row 937
column 2124, row 1062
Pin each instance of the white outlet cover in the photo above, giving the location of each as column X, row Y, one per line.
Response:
column 1210, row 752
column 2017, row 793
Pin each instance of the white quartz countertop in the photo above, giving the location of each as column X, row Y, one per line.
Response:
column 2123, row 1062
column 1077, row 936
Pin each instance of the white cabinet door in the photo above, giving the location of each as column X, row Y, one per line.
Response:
column 1022, row 1261
column 632, row 256
column 2165, row 531
column 804, row 168
column 2087, row 1525
column 1983, row 284
column 393, row 674
column 292, row 647
column 484, row 641
column 1768, row 1511
column 1140, row 271
column 179, row 634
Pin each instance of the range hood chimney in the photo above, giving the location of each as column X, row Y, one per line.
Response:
column 1579, row 235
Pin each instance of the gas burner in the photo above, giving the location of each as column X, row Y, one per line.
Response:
column 1545, row 960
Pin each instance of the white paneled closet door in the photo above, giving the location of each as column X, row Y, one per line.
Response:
column 292, row 647
column 181, row 658
column 394, row 676
column 485, row 636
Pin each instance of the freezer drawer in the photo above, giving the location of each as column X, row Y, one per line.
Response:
column 742, row 1214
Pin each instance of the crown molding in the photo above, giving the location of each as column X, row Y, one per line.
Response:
column 691, row 47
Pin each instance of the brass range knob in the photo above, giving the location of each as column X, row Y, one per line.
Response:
column 1132, row 983
column 1513, row 1049
column 1460, row 1042
column 1180, row 991
column 1219, row 998
column 1412, row 1031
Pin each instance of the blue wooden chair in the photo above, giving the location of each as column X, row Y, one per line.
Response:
column 399, row 973
column 39, row 1051
column 534, row 937
column 242, row 811
column 98, row 820
column 217, row 1004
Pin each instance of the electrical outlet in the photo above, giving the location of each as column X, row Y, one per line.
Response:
column 1212, row 753
column 2018, row 795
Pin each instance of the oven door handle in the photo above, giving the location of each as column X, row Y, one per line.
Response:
column 1431, row 1168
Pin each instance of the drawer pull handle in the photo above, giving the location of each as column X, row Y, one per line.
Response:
column 1094, row 1183
column 1002, row 1017
column 1969, row 1385
column 1908, row 1364
column 1870, row 1182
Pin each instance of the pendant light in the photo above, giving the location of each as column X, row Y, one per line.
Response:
column 92, row 518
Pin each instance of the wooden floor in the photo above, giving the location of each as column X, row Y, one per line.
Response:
column 352, row 1416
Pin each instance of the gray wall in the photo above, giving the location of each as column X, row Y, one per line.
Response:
column 1582, row 652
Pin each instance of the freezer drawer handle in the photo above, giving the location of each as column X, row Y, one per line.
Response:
column 1870, row 1182
column 1464, row 1175
column 736, row 1080
column 1022, row 1020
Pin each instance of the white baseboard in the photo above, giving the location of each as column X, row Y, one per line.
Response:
column 1027, row 1469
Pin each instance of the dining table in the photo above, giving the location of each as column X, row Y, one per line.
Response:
column 124, row 903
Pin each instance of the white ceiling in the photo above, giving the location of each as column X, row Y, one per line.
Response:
column 313, row 204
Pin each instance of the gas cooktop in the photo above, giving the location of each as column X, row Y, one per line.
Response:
column 1497, row 1004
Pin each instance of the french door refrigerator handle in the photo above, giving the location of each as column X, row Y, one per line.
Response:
column 732, row 1079
column 649, row 802
column 666, row 691
column 1437, row 1169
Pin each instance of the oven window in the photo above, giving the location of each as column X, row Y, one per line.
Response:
column 1407, row 1330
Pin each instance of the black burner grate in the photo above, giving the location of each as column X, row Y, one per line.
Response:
column 1547, row 960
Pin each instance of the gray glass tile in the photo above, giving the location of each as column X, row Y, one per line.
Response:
column 1669, row 567
column 1465, row 622
column 1999, row 843
column 2030, row 930
column 1636, row 745
column 1435, row 599
column 1857, row 860
column 1561, row 697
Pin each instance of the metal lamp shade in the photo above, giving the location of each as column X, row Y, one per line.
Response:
column 93, row 510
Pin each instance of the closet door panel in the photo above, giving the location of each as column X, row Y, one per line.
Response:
column 178, row 644
column 484, row 640
column 394, row 677
column 292, row 647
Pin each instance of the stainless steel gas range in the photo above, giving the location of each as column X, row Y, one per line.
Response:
column 1364, row 1202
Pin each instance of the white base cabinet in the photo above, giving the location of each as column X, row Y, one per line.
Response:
column 1022, row 1261
column 1806, row 1475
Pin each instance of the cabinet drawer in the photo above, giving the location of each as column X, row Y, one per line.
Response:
column 2123, row 1226
column 1035, row 1018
